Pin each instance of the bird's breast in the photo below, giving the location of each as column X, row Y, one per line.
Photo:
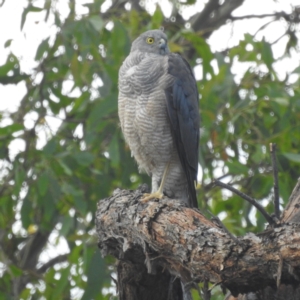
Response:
column 143, row 112
column 130, row 72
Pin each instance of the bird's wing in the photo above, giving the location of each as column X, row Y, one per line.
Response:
column 183, row 110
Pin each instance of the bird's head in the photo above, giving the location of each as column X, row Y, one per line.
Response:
column 152, row 41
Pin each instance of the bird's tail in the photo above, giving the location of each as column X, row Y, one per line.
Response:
column 178, row 290
column 186, row 292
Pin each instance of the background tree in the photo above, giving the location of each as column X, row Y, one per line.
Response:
column 49, row 189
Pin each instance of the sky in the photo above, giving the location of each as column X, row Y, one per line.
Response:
column 25, row 43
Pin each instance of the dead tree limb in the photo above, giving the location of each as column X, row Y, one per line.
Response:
column 251, row 200
column 165, row 235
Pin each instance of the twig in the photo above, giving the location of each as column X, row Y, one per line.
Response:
column 278, row 39
column 262, row 27
column 206, row 291
column 52, row 262
column 275, row 176
column 114, row 280
column 247, row 198
column 211, row 184
column 276, row 15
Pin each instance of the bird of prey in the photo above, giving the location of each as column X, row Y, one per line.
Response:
column 159, row 116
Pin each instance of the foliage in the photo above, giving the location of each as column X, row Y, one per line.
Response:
column 49, row 190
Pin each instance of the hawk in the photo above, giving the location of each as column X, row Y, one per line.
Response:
column 159, row 115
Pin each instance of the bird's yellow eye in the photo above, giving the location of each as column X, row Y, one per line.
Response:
column 150, row 40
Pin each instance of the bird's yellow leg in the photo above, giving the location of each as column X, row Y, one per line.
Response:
column 159, row 193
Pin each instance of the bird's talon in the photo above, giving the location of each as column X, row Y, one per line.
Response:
column 148, row 197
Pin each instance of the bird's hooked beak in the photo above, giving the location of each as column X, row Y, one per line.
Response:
column 163, row 46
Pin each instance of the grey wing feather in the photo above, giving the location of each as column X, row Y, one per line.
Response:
column 183, row 110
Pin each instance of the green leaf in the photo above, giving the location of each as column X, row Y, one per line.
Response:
column 42, row 48
column 43, row 182
column 14, row 79
column 26, row 209
column 54, row 187
column 292, row 156
column 15, row 271
column 203, row 51
column 114, row 153
column 69, row 189
column 157, row 17
column 48, row 204
column 28, row 9
column 19, row 178
column 76, row 252
column 65, row 167
column 267, row 54
column 236, row 168
column 61, row 283
column 84, row 158
column 67, row 225
column 103, row 108
column 281, row 101
column 96, row 278
column 47, row 8
column 9, row 65
column 8, row 130
column 119, row 40
column 7, row 43
column 80, row 204
column 50, row 147
column 74, row 67
column 97, row 22
column 296, row 70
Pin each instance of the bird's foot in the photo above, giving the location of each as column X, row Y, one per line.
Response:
column 155, row 195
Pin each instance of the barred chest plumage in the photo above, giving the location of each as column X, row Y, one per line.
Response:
column 142, row 109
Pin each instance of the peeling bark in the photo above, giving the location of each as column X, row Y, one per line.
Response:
column 165, row 236
column 292, row 210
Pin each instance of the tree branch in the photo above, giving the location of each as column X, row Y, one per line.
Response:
column 275, row 15
column 292, row 17
column 52, row 262
column 181, row 240
column 214, row 15
column 28, row 258
column 247, row 198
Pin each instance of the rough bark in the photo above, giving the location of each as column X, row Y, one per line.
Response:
column 165, row 236
column 292, row 210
